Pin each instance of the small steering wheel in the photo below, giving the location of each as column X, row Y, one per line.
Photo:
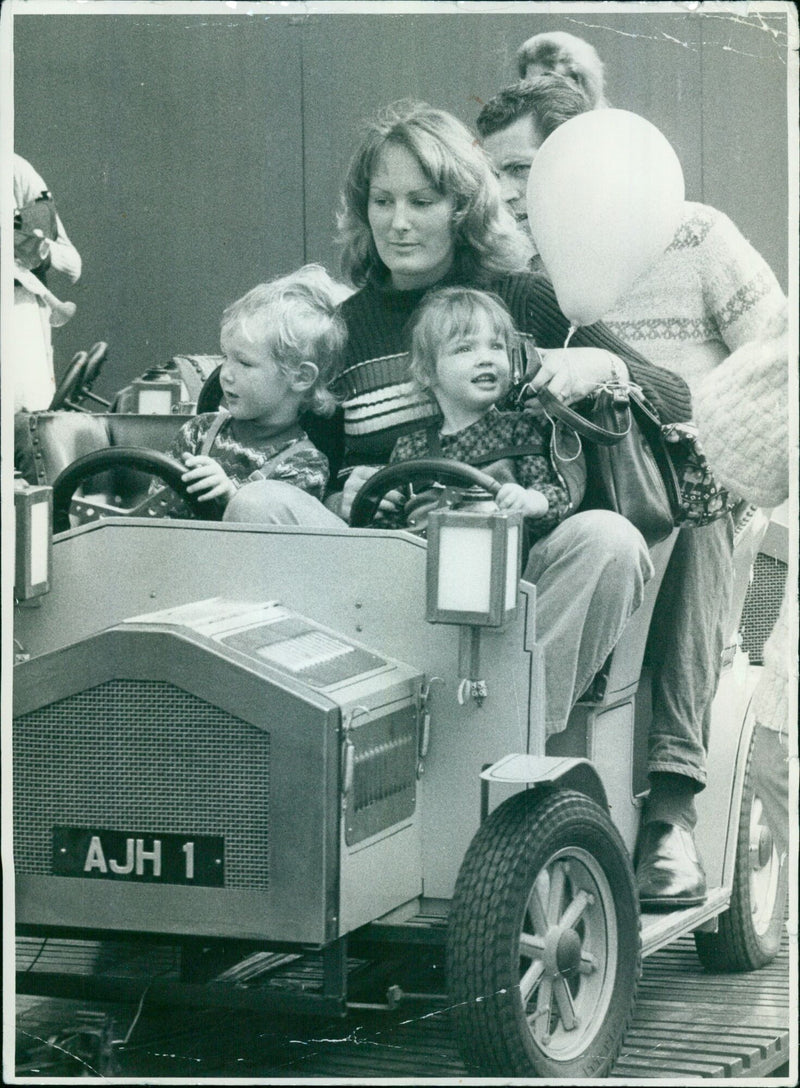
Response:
column 210, row 396
column 427, row 470
column 73, row 377
column 173, row 499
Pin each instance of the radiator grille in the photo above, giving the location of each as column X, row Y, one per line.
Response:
column 142, row 755
column 762, row 604
column 384, row 774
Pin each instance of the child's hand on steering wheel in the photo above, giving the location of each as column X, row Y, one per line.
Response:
column 528, row 501
column 391, row 502
column 207, row 475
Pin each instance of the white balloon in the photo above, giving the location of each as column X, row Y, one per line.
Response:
column 605, row 197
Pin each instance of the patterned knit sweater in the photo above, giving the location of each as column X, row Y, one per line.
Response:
column 494, row 443
column 707, row 295
column 381, row 403
column 243, row 448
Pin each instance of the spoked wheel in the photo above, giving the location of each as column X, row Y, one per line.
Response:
column 749, row 933
column 543, row 949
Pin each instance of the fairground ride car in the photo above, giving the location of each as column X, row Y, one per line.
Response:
column 239, row 737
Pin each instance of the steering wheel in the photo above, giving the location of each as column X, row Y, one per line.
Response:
column 210, row 396
column 425, row 469
column 96, row 357
column 172, row 499
column 71, row 380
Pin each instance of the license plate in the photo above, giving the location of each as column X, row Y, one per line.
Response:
column 142, row 858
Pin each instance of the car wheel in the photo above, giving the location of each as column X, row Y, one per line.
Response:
column 544, row 949
column 749, row 933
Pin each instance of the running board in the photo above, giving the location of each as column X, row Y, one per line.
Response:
column 662, row 928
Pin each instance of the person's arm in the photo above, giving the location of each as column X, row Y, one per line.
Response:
column 740, row 290
column 534, row 307
column 742, row 414
column 58, row 252
column 63, row 255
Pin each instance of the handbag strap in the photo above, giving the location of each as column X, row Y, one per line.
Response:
column 585, row 427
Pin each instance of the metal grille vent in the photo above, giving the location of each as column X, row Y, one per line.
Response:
column 383, row 770
column 762, row 604
column 145, row 756
column 384, row 774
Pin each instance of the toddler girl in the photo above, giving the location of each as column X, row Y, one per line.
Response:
column 461, row 345
column 280, row 341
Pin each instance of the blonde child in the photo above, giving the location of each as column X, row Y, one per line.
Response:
column 252, row 458
column 461, row 349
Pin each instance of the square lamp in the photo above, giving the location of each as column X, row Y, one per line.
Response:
column 33, row 510
column 473, row 567
column 157, row 396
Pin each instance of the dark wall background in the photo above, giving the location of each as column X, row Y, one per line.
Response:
column 192, row 156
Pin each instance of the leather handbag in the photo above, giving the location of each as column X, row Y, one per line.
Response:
column 634, row 468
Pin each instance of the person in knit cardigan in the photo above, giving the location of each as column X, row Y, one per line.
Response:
column 706, row 296
column 742, row 413
column 423, row 210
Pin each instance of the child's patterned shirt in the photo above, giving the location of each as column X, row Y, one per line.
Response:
column 522, row 456
column 244, row 450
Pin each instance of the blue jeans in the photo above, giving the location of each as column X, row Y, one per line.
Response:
column 687, row 637
column 589, row 573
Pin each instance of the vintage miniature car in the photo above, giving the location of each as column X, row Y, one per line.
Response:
column 244, row 738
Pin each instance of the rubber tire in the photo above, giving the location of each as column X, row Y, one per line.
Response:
column 737, row 946
column 511, row 848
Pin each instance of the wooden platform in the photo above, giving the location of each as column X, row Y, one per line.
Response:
column 688, row 1023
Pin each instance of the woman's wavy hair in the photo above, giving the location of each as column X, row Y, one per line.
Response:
column 487, row 241
column 295, row 319
column 451, row 314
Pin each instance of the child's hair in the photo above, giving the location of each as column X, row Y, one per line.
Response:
column 450, row 314
column 296, row 319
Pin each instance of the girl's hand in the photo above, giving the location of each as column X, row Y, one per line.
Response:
column 529, row 501
column 355, row 481
column 573, row 373
column 207, row 475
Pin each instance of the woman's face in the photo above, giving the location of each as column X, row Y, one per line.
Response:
column 411, row 223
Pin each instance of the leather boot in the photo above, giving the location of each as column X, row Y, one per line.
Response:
column 669, row 873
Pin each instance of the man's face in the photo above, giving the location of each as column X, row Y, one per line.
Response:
column 512, row 151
